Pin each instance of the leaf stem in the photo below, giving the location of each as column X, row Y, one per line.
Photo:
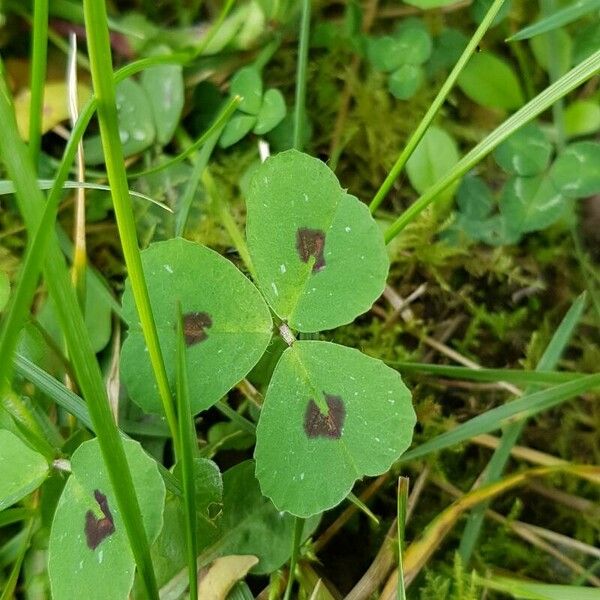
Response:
column 301, row 75
column 435, row 105
column 402, row 502
column 296, row 540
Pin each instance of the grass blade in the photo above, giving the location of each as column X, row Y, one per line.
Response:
column 566, row 84
column 557, row 19
column 187, row 449
column 296, row 540
column 514, row 376
column 39, row 52
column 515, row 411
column 301, row 75
column 402, row 502
column 500, row 457
column 213, row 130
column 74, row 405
column 104, row 86
column 435, row 106
column 89, row 378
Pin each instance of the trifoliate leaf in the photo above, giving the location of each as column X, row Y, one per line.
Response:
column 526, row 152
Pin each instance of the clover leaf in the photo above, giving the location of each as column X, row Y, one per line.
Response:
column 257, row 112
column 23, row 469
column 319, row 256
column 401, row 55
column 576, row 171
column 227, row 324
column 331, row 416
column 136, row 123
column 526, row 152
column 89, row 549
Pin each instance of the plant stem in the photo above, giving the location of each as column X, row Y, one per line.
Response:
column 104, row 86
column 547, row 8
column 296, row 540
column 402, row 500
column 185, row 455
column 566, row 84
column 39, row 53
column 435, row 105
column 301, row 74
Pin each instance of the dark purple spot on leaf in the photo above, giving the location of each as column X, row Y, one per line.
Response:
column 311, row 242
column 195, row 325
column 316, row 424
column 96, row 530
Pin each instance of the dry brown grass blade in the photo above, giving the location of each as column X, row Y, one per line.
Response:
column 419, row 552
column 533, row 537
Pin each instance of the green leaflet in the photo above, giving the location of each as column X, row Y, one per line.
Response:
column 23, row 469
column 88, row 550
column 331, row 416
column 526, row 152
column 250, row 524
column 311, row 243
column 136, row 124
column 226, row 323
column 490, row 81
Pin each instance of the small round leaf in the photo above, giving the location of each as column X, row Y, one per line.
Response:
column 164, row 86
column 331, row 416
column 23, row 469
column 491, row 82
column 89, row 552
column 526, row 152
column 271, row 112
column 237, row 127
column 227, row 324
column 433, row 158
column 385, row 53
column 136, row 123
column 319, row 256
column 531, row 203
column 576, row 172
column 247, row 83
column 405, row 81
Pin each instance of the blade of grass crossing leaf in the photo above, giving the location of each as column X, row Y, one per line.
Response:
column 402, row 503
column 512, row 433
column 104, row 87
column 75, row 406
column 214, row 29
column 39, row 52
column 200, row 163
column 296, row 540
column 301, row 74
column 213, row 130
column 556, row 19
column 31, row 204
column 187, row 449
column 566, row 84
column 523, row 408
column 435, row 105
